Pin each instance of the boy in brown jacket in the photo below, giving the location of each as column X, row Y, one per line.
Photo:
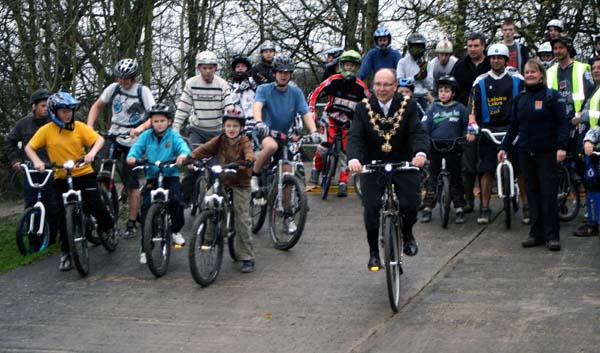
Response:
column 233, row 147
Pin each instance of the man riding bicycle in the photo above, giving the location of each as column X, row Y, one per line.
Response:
column 386, row 127
column 129, row 101
column 275, row 108
column 344, row 91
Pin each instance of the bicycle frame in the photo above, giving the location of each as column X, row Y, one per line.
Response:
column 39, row 204
column 493, row 136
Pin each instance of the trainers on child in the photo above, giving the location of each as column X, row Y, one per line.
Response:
column 290, row 225
column 247, row 266
column 426, row 215
column 484, row 216
column 525, row 219
column 460, row 216
column 178, row 238
column 65, row 262
column 131, row 231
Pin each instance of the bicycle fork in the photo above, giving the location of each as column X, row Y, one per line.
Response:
column 501, row 192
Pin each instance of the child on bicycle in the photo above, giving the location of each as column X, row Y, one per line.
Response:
column 66, row 139
column 162, row 143
column 344, row 91
column 445, row 120
column 234, row 147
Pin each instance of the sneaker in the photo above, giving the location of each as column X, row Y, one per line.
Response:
column 374, row 264
column 484, row 216
column 290, row 225
column 143, row 260
column 314, row 177
column 247, row 266
column 131, row 231
column 254, row 184
column 410, row 248
column 460, row 216
column 586, row 230
column 426, row 215
column 525, row 219
column 343, row 190
column 65, row 262
column 553, row 245
column 531, row 242
column 178, row 239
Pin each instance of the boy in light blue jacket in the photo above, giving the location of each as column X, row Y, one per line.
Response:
column 161, row 143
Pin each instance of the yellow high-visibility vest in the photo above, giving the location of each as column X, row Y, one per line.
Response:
column 594, row 111
column 576, row 82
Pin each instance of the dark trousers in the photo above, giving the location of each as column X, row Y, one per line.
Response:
column 453, row 165
column 406, row 186
column 92, row 204
column 48, row 199
column 469, row 168
column 176, row 204
column 540, row 174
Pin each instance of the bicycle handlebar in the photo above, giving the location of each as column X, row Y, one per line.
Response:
column 492, row 135
column 28, row 172
column 144, row 163
column 374, row 166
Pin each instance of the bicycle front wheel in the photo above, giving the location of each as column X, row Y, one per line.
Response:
column 393, row 261
column 568, row 196
column 287, row 213
column 206, row 248
column 328, row 174
column 27, row 237
column 199, row 192
column 444, row 199
column 109, row 239
column 157, row 239
column 507, row 199
column 77, row 240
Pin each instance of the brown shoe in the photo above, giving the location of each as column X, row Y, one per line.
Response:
column 553, row 245
column 586, row 230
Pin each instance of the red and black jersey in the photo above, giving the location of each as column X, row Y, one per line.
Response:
column 343, row 96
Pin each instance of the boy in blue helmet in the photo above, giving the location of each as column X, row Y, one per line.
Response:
column 382, row 56
column 66, row 139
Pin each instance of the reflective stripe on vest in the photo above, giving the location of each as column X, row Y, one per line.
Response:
column 576, row 82
column 485, row 109
column 594, row 111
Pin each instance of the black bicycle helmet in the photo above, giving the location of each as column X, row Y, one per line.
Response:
column 161, row 108
column 448, row 80
column 240, row 59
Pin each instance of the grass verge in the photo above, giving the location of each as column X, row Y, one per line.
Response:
column 10, row 257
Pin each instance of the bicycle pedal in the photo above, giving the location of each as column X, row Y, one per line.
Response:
column 205, row 247
column 177, row 246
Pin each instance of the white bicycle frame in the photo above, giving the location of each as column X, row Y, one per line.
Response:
column 39, row 204
column 511, row 174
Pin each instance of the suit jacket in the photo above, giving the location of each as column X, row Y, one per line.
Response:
column 364, row 143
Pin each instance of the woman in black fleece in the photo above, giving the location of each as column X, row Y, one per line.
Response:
column 539, row 119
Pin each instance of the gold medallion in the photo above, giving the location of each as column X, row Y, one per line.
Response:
column 378, row 121
column 386, row 147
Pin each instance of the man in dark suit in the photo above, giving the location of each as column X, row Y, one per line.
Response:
column 372, row 138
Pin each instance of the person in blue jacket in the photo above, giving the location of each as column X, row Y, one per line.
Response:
column 162, row 143
column 539, row 120
column 382, row 56
column 445, row 120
